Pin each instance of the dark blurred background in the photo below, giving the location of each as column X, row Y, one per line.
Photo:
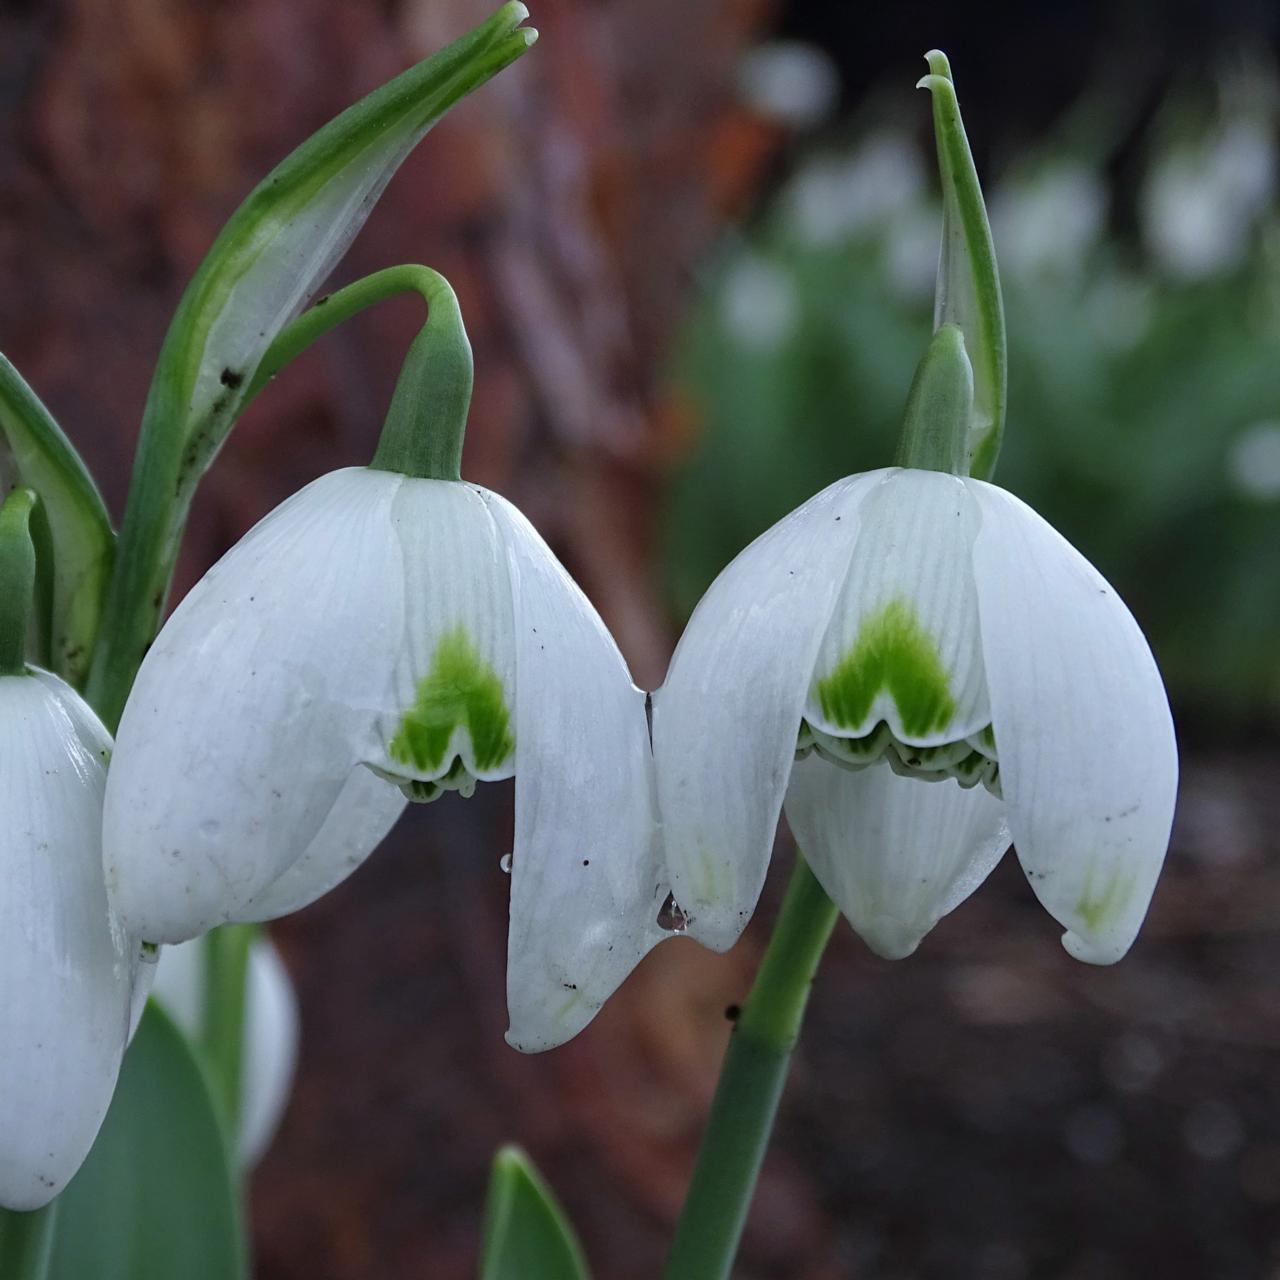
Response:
column 694, row 243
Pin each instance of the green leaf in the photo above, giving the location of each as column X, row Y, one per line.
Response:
column 526, row 1235
column 273, row 253
column 80, row 541
column 156, row 1199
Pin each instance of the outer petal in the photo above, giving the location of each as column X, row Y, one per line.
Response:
column 903, row 645
column 454, row 679
column 64, row 995
column 895, row 854
column 271, row 1031
column 1088, row 761
column 586, row 877
column 366, row 809
column 726, row 720
column 252, row 708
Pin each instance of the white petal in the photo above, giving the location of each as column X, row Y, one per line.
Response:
column 271, row 1051
column 252, row 708
column 910, row 586
column 726, row 720
column 455, row 672
column 366, row 809
column 64, row 995
column 271, row 1031
column 586, row 878
column 895, row 854
column 1088, row 761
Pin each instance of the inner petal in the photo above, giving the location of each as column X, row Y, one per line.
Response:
column 903, row 648
column 452, row 720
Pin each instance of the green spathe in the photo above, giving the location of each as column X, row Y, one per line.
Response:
column 460, row 690
column 892, row 652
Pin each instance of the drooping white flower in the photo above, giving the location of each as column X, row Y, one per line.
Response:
column 907, row 627
column 68, row 967
column 270, row 1032
column 375, row 636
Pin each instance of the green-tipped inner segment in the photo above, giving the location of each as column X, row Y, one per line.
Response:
column 459, row 691
column 895, row 653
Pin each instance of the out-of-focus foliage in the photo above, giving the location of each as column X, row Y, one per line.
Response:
column 1144, row 396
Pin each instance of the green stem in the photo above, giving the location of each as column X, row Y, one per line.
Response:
column 755, row 1070
column 434, row 387
column 26, row 1242
column 17, row 581
column 225, row 999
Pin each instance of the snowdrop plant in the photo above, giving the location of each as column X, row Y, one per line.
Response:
column 923, row 669
column 80, row 607
column 392, row 632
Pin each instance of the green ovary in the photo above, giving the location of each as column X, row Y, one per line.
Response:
column 460, row 690
column 892, row 652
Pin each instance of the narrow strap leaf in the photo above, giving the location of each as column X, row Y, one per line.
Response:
column 968, row 293
column 273, row 253
column 73, row 522
column 526, row 1234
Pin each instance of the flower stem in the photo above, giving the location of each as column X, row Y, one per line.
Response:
column 751, row 1081
column 428, row 415
column 225, row 999
column 26, row 1242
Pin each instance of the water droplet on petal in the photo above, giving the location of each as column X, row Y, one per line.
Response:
column 671, row 918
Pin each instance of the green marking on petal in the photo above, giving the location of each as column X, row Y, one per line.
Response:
column 1102, row 907
column 893, row 652
column 461, row 689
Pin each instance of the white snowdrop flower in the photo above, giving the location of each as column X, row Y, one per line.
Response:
column 789, row 81
column 1200, row 202
column 758, row 303
column 68, row 966
column 270, row 1032
column 1253, row 462
column 836, row 198
column 1046, row 223
column 393, row 632
column 903, row 627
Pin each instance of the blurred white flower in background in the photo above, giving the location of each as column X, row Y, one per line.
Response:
column 1201, row 201
column 758, row 305
column 1253, row 462
column 1046, row 223
column 270, row 1032
column 791, row 82
column 833, row 198
column 911, row 253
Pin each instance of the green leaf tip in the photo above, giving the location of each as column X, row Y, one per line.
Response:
column 968, row 291
column 526, row 1233
column 939, row 65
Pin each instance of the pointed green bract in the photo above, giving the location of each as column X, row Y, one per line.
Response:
column 526, row 1234
column 274, row 251
column 968, row 293
column 460, row 691
column 72, row 524
column 895, row 653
